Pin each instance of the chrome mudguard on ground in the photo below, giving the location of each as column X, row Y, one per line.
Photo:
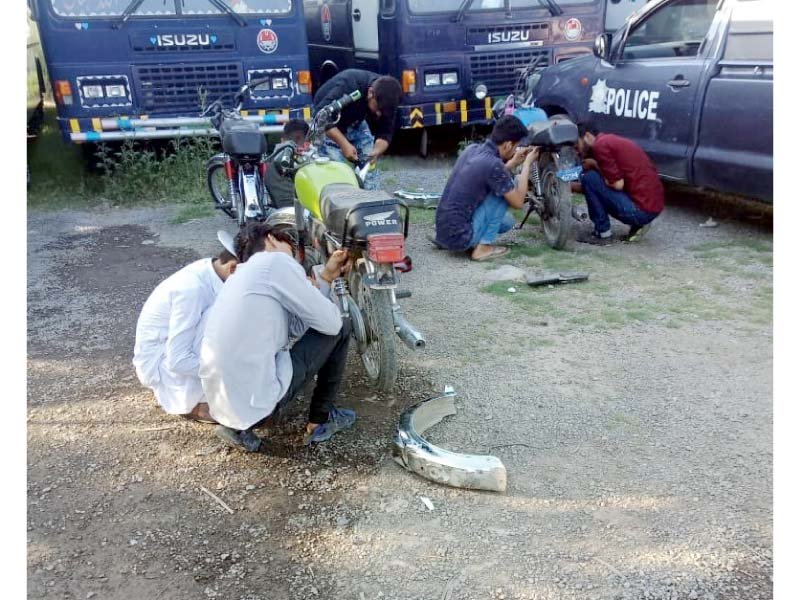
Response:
column 415, row 453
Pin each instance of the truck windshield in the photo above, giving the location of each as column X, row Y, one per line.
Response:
column 156, row 8
column 444, row 6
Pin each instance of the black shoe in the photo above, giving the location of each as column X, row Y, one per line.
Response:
column 596, row 240
column 244, row 440
column 636, row 233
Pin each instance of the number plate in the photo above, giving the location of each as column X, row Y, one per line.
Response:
column 571, row 174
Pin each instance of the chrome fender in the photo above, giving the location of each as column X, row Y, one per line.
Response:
column 413, row 452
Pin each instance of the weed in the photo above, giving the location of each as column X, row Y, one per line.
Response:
column 189, row 212
column 422, row 216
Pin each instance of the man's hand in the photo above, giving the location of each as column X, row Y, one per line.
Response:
column 531, row 155
column 349, row 152
column 519, row 155
column 335, row 266
column 590, row 164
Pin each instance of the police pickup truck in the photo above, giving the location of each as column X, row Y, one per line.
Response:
column 688, row 80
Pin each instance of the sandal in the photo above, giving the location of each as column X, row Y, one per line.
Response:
column 496, row 252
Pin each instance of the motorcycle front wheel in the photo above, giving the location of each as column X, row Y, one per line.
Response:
column 557, row 213
column 380, row 356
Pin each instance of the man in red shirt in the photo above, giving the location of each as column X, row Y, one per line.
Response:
column 620, row 181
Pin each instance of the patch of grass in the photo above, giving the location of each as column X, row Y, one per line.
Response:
column 755, row 245
column 422, row 216
column 193, row 211
column 390, row 181
column 58, row 174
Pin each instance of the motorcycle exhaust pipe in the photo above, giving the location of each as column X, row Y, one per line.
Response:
column 406, row 332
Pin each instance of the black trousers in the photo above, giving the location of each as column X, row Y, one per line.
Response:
column 324, row 356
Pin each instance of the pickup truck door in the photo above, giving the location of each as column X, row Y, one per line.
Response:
column 648, row 92
column 365, row 31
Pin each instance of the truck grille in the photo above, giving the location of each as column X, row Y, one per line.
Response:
column 181, row 87
column 499, row 71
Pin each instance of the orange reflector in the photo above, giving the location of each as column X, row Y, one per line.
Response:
column 584, row 81
column 409, row 81
column 387, row 247
column 304, row 81
column 63, row 88
column 449, row 107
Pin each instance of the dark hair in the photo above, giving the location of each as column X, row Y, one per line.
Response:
column 252, row 238
column 387, row 92
column 225, row 257
column 295, row 125
column 508, row 129
column 587, row 127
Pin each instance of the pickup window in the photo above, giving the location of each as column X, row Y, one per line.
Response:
column 676, row 30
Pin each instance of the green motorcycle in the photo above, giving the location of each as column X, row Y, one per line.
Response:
column 332, row 211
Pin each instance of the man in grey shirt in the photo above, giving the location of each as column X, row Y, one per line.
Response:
column 246, row 364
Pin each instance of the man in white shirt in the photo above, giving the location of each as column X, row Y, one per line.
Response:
column 166, row 354
column 246, row 365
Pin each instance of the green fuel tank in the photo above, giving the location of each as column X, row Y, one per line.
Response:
column 310, row 180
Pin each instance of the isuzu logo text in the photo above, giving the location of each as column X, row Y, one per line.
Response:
column 498, row 37
column 183, row 39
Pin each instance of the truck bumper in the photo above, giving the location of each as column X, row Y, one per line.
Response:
column 460, row 112
column 145, row 127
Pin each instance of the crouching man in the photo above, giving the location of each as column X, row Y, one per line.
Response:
column 619, row 180
column 166, row 354
column 248, row 361
column 474, row 208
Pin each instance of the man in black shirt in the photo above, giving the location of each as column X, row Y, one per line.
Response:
column 365, row 128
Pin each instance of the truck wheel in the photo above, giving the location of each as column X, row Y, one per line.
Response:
column 557, row 215
column 380, row 357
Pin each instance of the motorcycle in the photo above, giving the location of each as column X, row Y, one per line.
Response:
column 235, row 176
column 549, row 194
column 333, row 211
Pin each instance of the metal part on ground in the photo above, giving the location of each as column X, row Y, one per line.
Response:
column 412, row 451
column 554, row 278
column 419, row 199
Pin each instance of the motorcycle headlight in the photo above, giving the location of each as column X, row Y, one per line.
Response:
column 449, row 78
column 92, row 91
column 432, row 79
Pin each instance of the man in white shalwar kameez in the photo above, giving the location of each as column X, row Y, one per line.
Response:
column 166, row 353
column 246, row 364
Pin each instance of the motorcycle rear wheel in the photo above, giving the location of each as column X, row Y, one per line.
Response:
column 380, row 357
column 218, row 185
column 557, row 215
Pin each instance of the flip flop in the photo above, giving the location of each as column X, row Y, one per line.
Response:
column 496, row 252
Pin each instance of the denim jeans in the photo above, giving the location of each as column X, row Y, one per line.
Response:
column 603, row 201
column 490, row 219
column 361, row 137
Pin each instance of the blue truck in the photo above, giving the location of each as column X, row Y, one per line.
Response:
column 454, row 58
column 144, row 69
column 688, row 80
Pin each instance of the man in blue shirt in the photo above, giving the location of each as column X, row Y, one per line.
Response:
column 473, row 209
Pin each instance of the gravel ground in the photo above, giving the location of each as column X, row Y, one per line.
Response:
column 633, row 413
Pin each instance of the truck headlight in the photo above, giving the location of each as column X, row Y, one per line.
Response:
column 280, row 83
column 449, row 78
column 115, row 91
column 481, row 91
column 432, row 79
column 92, row 91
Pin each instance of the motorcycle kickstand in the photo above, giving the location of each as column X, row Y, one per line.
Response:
column 531, row 209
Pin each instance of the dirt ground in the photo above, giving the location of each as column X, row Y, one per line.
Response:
column 633, row 413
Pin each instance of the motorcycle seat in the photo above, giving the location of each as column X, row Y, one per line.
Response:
column 553, row 132
column 338, row 199
column 242, row 138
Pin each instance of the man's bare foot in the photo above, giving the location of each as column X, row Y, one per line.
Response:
column 486, row 252
column 200, row 413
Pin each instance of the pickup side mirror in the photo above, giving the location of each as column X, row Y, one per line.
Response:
column 602, row 43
